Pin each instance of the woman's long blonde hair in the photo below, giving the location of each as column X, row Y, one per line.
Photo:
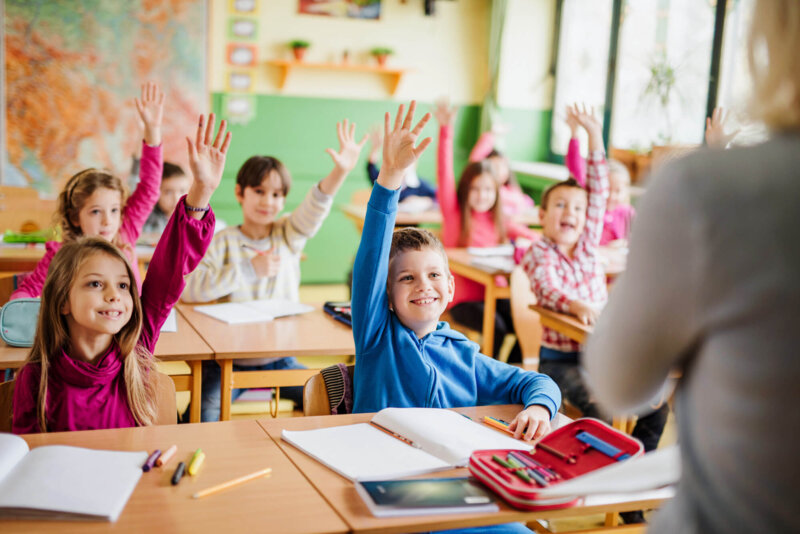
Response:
column 775, row 63
column 52, row 331
column 73, row 197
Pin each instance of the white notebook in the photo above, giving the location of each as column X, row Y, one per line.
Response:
column 441, row 439
column 498, row 250
column 255, row 311
column 60, row 482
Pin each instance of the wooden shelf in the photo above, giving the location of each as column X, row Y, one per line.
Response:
column 286, row 67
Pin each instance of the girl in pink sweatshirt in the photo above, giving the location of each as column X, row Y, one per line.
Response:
column 93, row 202
column 472, row 216
column 512, row 198
column 91, row 365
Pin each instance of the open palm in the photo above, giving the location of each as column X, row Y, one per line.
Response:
column 207, row 159
column 399, row 152
column 349, row 150
column 151, row 105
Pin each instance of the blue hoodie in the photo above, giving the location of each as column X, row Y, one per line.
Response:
column 444, row 369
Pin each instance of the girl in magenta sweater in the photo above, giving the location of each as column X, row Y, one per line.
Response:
column 91, row 365
column 472, row 216
column 93, row 202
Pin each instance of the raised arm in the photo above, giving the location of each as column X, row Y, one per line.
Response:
column 715, row 129
column 445, row 177
column 483, row 147
column 574, row 161
column 370, row 307
column 145, row 196
column 345, row 159
column 596, row 176
column 188, row 232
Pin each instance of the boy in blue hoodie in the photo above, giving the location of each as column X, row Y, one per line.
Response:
column 406, row 357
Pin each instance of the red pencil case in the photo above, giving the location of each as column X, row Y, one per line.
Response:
column 570, row 451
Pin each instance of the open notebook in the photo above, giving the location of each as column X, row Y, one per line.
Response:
column 441, row 439
column 255, row 311
column 60, row 482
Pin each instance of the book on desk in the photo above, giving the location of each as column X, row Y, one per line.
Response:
column 60, row 482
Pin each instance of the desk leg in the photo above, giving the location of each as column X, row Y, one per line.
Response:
column 226, row 385
column 489, row 309
column 196, row 390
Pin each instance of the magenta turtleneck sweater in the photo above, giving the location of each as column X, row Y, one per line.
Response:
column 87, row 396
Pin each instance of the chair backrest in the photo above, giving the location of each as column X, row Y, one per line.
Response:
column 6, row 405
column 330, row 391
column 527, row 324
column 165, row 397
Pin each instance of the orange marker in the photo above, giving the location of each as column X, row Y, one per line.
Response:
column 497, row 423
column 168, row 454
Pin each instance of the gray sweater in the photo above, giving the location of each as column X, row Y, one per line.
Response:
column 713, row 288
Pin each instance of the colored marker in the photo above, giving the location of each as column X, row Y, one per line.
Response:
column 178, row 474
column 166, row 456
column 151, row 460
column 520, row 469
column 602, row 446
column 497, row 423
column 508, row 465
column 196, row 462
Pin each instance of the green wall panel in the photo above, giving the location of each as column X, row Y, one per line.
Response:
column 297, row 131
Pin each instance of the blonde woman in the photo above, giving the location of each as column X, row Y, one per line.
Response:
column 713, row 288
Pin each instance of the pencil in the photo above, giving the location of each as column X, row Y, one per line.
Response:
column 229, row 484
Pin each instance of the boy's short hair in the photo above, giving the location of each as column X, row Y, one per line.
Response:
column 618, row 168
column 411, row 238
column 171, row 171
column 570, row 182
column 255, row 169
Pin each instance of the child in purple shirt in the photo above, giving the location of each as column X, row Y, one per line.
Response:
column 91, row 363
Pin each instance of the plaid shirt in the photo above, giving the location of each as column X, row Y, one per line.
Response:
column 556, row 279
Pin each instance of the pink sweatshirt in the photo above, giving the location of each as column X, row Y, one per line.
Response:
column 617, row 222
column 86, row 396
column 513, row 199
column 482, row 231
column 134, row 215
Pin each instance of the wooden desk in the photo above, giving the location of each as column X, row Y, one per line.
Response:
column 309, row 334
column 284, row 502
column 183, row 345
column 461, row 263
column 341, row 494
column 15, row 258
column 569, row 325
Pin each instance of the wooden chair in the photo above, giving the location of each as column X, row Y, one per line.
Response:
column 328, row 390
column 8, row 283
column 527, row 325
column 165, row 396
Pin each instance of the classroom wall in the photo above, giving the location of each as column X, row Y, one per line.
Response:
column 447, row 54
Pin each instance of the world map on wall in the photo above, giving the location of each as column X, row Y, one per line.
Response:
column 73, row 69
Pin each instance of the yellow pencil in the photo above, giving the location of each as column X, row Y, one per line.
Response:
column 197, row 461
column 231, row 483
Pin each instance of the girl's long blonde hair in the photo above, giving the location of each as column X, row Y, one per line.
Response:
column 73, row 197
column 52, row 331
column 775, row 63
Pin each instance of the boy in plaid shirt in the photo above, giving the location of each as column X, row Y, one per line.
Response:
column 566, row 275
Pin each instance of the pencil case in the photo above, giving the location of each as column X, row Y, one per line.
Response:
column 339, row 311
column 573, row 450
column 18, row 319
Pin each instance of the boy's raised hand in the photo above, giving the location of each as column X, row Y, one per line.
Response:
column 531, row 423
column 715, row 129
column 587, row 119
column 347, row 157
column 572, row 121
column 207, row 161
column 399, row 152
column 151, row 111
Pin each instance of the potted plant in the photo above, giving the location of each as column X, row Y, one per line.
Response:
column 381, row 53
column 299, row 47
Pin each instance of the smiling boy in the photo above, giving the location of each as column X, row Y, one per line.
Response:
column 406, row 357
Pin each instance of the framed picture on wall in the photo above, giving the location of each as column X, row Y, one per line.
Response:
column 240, row 81
column 355, row 9
column 243, row 7
column 241, row 29
column 241, row 54
column 239, row 109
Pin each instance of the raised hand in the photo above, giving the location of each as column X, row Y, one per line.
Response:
column 715, row 129
column 151, row 111
column 206, row 160
column 347, row 157
column 572, row 121
column 399, row 152
column 444, row 112
column 586, row 118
